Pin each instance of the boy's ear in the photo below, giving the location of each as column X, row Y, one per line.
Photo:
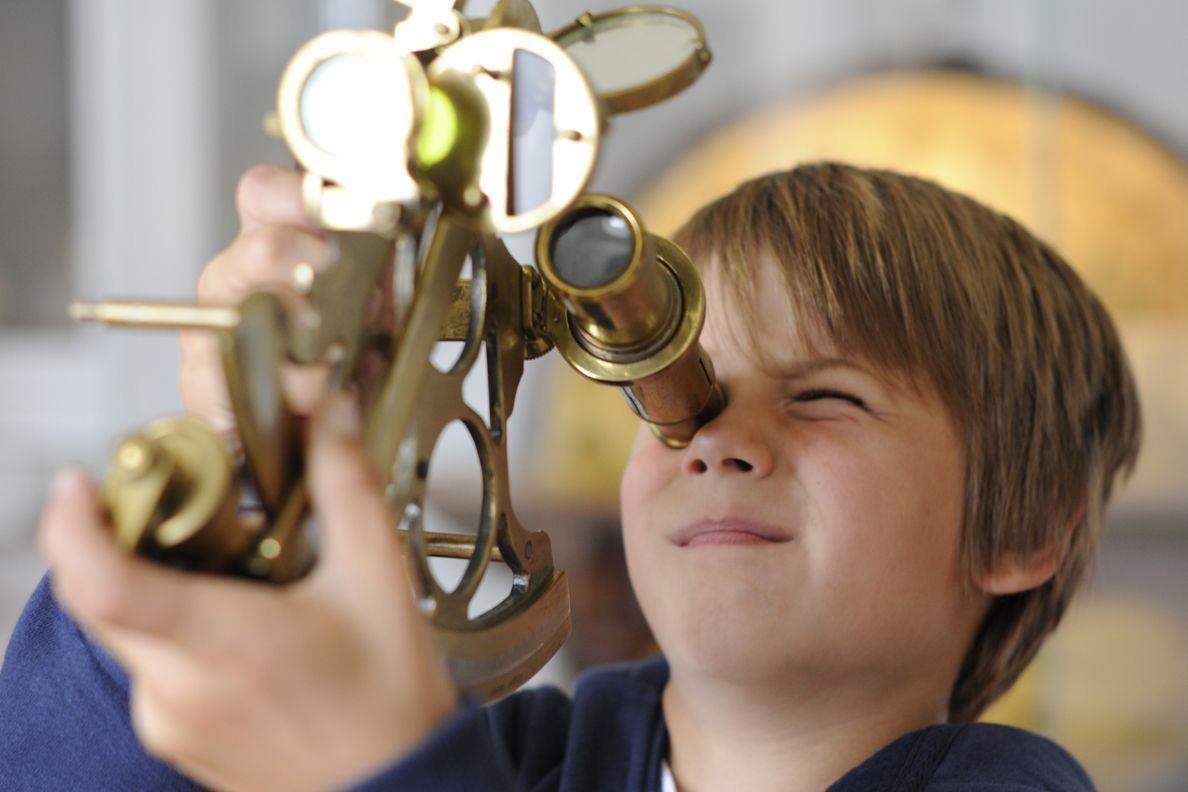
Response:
column 1016, row 572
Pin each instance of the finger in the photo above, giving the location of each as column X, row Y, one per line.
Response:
column 203, row 386
column 271, row 195
column 72, row 510
column 262, row 258
column 71, row 536
column 358, row 530
column 169, row 710
column 381, row 313
column 118, row 596
column 305, row 386
column 167, row 729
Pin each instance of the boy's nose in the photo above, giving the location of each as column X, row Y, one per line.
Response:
column 729, row 444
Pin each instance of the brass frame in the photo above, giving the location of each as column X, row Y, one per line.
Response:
column 512, row 13
column 430, row 24
column 652, row 91
column 172, row 490
column 404, row 423
column 484, row 62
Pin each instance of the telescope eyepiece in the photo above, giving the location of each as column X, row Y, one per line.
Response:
column 592, row 247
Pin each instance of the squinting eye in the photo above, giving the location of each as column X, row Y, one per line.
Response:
column 817, row 394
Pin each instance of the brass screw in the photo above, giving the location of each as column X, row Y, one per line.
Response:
column 272, row 125
column 135, row 457
column 472, row 196
column 270, row 548
column 303, row 277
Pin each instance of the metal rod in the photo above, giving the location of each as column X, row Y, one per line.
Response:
column 449, row 545
column 155, row 314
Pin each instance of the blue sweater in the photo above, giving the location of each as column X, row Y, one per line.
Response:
column 64, row 725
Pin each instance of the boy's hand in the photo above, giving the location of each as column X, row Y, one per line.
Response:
column 275, row 236
column 246, row 686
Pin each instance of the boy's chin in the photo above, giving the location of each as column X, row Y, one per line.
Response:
column 737, row 647
column 733, row 663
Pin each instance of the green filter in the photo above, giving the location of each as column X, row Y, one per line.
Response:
column 439, row 132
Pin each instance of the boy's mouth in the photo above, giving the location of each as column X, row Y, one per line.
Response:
column 729, row 531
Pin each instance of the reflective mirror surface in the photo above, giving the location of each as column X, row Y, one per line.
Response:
column 623, row 51
column 532, row 132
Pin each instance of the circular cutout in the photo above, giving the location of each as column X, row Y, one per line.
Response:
column 636, row 57
column 454, row 498
column 456, row 353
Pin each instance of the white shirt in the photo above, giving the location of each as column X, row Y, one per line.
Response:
column 667, row 781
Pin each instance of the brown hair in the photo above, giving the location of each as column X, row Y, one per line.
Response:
column 929, row 283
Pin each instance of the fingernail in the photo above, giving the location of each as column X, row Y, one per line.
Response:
column 68, row 482
column 341, row 415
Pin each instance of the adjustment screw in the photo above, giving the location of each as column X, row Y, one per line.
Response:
column 135, row 456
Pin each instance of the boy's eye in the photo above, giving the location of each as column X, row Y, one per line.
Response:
column 818, row 394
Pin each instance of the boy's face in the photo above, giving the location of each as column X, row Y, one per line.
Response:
column 811, row 528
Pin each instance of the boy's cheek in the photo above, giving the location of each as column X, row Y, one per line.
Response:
column 650, row 469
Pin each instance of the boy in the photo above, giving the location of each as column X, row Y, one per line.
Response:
column 927, row 411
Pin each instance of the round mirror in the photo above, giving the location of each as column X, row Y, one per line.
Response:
column 636, row 57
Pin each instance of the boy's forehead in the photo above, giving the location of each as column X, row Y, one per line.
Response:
column 766, row 326
column 764, row 322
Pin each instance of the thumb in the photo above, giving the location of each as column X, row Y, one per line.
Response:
column 358, row 530
column 271, row 195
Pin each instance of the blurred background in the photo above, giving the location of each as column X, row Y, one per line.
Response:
column 124, row 125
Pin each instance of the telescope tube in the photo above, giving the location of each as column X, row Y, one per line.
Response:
column 634, row 311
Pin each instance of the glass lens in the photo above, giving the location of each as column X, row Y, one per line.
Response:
column 592, row 248
column 626, row 51
column 348, row 107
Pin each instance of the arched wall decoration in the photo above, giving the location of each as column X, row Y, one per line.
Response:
column 1111, row 198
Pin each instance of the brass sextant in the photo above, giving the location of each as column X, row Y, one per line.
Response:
column 418, row 149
